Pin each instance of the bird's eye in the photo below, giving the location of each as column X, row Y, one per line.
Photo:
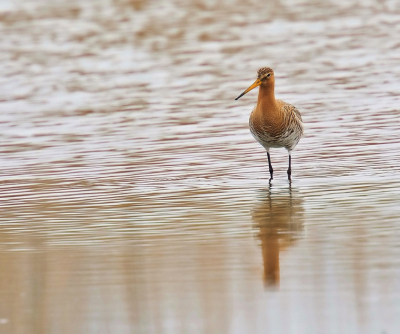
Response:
column 268, row 75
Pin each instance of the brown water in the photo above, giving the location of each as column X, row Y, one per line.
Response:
column 133, row 198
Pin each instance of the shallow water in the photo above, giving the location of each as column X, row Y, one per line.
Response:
column 133, row 198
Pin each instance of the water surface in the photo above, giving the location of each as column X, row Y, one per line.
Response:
column 133, row 198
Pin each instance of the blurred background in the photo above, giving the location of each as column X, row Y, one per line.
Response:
column 133, row 198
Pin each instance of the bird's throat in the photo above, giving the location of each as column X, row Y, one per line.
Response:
column 266, row 103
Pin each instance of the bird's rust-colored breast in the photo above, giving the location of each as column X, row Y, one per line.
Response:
column 279, row 125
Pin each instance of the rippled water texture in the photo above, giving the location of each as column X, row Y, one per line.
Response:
column 133, row 198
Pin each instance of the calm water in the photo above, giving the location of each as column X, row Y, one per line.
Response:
column 133, row 198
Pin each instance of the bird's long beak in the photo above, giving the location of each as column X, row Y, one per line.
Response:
column 254, row 85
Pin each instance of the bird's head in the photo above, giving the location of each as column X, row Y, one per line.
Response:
column 265, row 78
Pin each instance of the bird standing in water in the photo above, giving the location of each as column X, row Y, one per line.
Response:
column 273, row 123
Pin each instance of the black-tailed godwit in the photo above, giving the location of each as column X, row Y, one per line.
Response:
column 273, row 123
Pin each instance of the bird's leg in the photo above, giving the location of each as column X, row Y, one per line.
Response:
column 289, row 171
column 271, row 171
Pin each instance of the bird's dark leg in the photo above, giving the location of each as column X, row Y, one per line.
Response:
column 289, row 171
column 271, row 171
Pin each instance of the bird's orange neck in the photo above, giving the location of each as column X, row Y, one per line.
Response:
column 266, row 103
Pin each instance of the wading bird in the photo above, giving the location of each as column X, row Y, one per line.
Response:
column 273, row 123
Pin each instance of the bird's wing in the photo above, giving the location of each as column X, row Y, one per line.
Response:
column 297, row 112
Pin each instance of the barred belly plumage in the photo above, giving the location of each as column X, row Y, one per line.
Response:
column 287, row 135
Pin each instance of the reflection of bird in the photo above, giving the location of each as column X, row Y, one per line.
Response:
column 279, row 219
column 273, row 123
